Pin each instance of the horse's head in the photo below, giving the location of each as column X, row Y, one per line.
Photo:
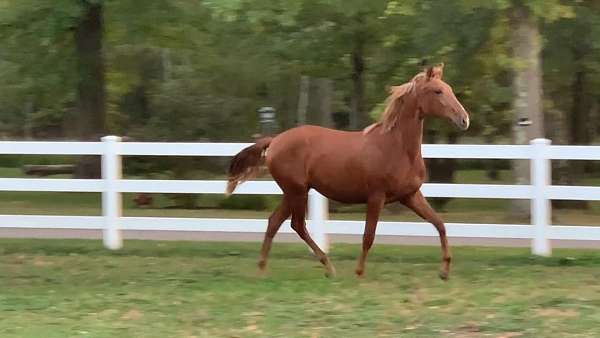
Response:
column 425, row 95
column 436, row 98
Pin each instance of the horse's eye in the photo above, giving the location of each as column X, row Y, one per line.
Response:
column 438, row 91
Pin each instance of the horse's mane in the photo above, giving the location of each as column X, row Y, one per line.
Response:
column 394, row 104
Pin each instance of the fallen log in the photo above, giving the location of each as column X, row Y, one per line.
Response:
column 47, row 170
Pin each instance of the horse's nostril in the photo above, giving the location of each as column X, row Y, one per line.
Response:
column 465, row 122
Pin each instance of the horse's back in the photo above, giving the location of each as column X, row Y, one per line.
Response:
column 301, row 142
column 311, row 131
column 320, row 158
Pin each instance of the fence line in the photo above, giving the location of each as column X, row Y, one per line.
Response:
column 540, row 192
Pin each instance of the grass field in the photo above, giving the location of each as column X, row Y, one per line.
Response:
column 74, row 288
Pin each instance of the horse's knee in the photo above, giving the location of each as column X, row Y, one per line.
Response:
column 270, row 234
column 441, row 229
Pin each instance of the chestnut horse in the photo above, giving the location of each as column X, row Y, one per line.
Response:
column 379, row 165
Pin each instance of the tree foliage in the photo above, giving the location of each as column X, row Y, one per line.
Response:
column 185, row 70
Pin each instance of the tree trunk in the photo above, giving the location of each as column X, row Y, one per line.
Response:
column 319, row 103
column 578, row 130
column 325, row 101
column 560, row 168
column 303, row 99
column 91, row 94
column 577, row 121
column 491, row 167
column 357, row 114
column 526, row 42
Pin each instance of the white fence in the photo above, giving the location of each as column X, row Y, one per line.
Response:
column 540, row 192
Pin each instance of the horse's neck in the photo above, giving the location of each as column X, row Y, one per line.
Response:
column 407, row 134
column 412, row 137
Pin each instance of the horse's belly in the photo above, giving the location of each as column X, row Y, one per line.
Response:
column 343, row 195
column 339, row 185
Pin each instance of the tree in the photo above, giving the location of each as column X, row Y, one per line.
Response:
column 91, row 92
column 91, row 96
column 529, row 122
column 571, row 60
column 36, row 61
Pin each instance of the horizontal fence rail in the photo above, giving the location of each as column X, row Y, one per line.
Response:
column 111, row 149
column 520, row 231
column 458, row 151
column 500, row 191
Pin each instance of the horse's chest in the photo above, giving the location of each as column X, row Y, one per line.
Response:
column 407, row 183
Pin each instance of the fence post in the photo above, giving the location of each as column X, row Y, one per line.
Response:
column 540, row 206
column 318, row 210
column 111, row 197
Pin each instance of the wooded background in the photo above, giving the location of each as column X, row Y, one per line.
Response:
column 181, row 70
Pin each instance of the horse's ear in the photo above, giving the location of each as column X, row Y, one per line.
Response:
column 429, row 72
column 435, row 72
column 440, row 69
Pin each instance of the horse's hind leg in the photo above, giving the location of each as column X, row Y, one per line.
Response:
column 421, row 207
column 275, row 220
column 298, row 206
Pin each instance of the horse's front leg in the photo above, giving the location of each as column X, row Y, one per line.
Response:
column 374, row 205
column 421, row 207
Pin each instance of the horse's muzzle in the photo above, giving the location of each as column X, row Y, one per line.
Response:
column 462, row 121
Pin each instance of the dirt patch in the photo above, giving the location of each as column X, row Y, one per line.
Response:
column 41, row 262
column 132, row 315
column 468, row 330
column 554, row 312
column 510, row 335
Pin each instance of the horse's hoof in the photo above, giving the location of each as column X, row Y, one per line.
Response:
column 444, row 275
column 359, row 273
column 262, row 268
column 330, row 273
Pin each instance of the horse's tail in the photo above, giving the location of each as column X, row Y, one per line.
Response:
column 246, row 164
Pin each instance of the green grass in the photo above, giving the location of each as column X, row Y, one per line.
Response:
column 74, row 288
